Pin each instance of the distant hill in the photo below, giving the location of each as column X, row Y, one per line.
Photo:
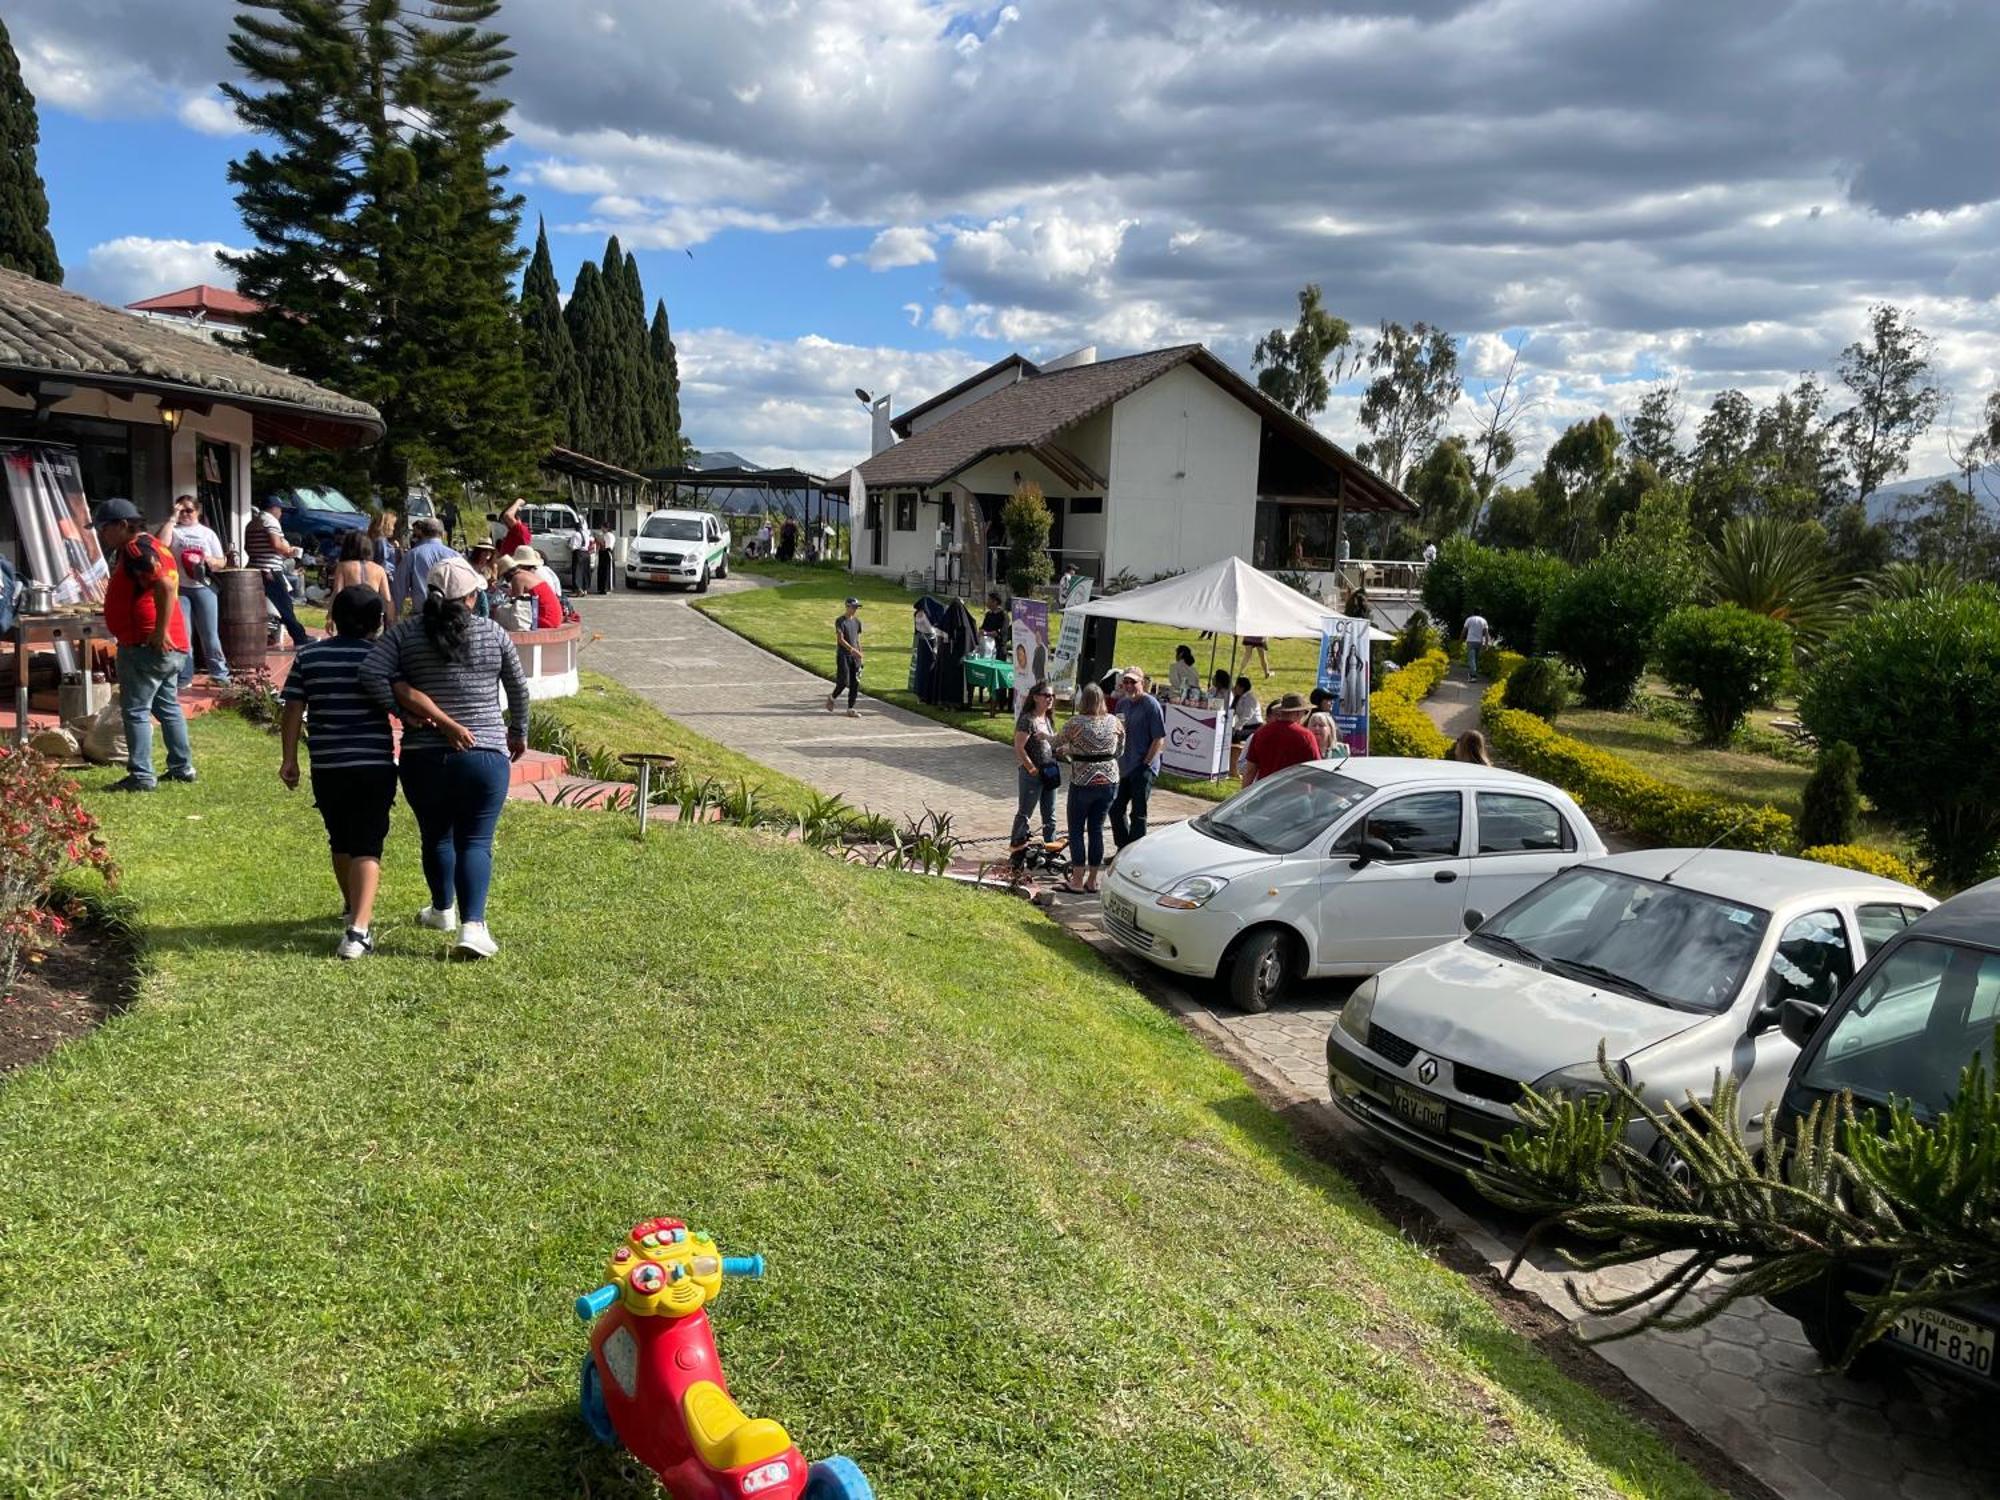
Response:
column 1985, row 485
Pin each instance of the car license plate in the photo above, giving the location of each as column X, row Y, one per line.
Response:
column 1119, row 907
column 1420, row 1109
column 1952, row 1339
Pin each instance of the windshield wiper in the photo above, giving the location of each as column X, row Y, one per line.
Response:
column 1521, row 951
column 1614, row 979
column 1228, row 835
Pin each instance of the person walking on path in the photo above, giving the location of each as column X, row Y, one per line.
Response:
column 1037, row 775
column 353, row 755
column 448, row 514
column 265, row 547
column 1091, row 742
column 847, row 657
column 1139, row 762
column 1282, row 742
column 197, row 552
column 1477, row 634
column 142, row 611
column 444, row 671
column 427, row 549
column 358, row 568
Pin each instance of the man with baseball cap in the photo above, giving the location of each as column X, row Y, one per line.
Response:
column 1139, row 761
column 143, row 613
column 847, row 657
column 1283, row 741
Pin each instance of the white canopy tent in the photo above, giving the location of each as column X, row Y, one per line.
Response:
column 1228, row 598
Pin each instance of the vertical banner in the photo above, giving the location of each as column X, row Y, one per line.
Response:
column 1069, row 644
column 52, row 515
column 1031, row 647
column 1343, row 672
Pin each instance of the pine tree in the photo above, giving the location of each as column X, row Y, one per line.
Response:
column 652, row 444
column 386, row 236
column 667, row 388
column 593, row 332
column 551, row 357
column 25, row 242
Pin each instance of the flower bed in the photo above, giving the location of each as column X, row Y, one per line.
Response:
column 44, row 833
column 1396, row 724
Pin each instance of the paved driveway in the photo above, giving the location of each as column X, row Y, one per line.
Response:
column 722, row 686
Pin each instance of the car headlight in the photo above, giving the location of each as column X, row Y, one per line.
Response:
column 1582, row 1082
column 1360, row 1008
column 1196, row 890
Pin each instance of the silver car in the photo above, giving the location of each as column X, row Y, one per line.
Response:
column 1677, row 960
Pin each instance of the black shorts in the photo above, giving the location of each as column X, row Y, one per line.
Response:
column 354, row 804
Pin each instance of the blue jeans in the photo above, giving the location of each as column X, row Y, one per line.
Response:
column 198, row 613
column 1087, row 807
column 1128, row 808
column 1032, row 792
column 457, row 797
column 279, row 592
column 1472, row 657
column 148, row 689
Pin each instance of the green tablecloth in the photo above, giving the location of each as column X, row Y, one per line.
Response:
column 991, row 673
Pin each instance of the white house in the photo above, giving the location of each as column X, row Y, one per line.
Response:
column 1151, row 464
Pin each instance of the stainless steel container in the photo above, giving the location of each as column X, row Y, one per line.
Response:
column 38, row 599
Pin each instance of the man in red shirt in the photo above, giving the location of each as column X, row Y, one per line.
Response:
column 142, row 610
column 517, row 534
column 1283, row 741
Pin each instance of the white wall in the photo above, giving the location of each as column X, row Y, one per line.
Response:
column 1183, row 476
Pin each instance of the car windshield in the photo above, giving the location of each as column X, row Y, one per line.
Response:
column 1285, row 813
column 672, row 529
column 1662, row 942
column 331, row 500
column 1913, row 1027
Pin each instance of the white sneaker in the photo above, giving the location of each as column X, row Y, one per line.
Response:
column 354, row 943
column 439, row 921
column 474, row 941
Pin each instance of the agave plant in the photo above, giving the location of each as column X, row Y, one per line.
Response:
column 1779, row 568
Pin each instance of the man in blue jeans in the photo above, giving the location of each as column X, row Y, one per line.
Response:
column 1139, row 765
column 142, row 611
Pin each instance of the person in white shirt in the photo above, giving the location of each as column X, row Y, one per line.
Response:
column 579, row 560
column 1430, row 553
column 1183, row 677
column 196, row 550
column 1477, row 634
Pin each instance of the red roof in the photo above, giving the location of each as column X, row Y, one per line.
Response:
column 214, row 301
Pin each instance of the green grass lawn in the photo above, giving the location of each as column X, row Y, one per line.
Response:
column 796, row 622
column 291, row 1228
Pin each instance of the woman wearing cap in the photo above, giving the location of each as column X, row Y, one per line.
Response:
column 444, row 671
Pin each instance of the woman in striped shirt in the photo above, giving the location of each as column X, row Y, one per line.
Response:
column 444, row 672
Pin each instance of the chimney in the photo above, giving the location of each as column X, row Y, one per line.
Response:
column 882, row 436
column 1087, row 355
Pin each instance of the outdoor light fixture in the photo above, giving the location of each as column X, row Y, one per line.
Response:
column 863, row 397
column 170, row 418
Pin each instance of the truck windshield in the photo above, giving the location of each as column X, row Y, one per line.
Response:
column 671, row 529
column 1285, row 813
column 1913, row 1027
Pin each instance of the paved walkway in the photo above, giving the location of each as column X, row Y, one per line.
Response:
column 720, row 685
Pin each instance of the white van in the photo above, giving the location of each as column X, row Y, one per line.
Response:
column 679, row 547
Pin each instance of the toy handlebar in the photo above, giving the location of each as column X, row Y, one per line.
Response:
column 591, row 1304
column 743, row 1265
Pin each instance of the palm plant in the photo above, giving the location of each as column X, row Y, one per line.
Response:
column 1909, row 580
column 1779, row 568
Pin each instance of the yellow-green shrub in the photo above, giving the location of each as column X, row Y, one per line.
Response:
column 1615, row 791
column 1396, row 725
column 1867, row 861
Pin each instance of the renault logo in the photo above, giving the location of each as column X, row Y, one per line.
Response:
column 1427, row 1070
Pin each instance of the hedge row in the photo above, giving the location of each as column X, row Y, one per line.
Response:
column 1861, row 857
column 1396, row 724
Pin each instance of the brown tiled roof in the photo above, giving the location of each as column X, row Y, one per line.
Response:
column 48, row 332
column 1034, row 410
column 200, row 299
column 901, row 422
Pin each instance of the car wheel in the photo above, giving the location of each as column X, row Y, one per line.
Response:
column 701, row 583
column 722, row 569
column 1259, row 971
column 1828, row 1320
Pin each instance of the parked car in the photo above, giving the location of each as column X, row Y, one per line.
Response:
column 310, row 517
column 1904, row 1029
column 685, row 547
column 1338, row 868
column 1679, row 961
column 550, row 527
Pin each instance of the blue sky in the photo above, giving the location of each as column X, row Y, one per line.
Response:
column 890, row 193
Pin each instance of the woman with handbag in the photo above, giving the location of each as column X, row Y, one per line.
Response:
column 1038, row 775
column 1091, row 742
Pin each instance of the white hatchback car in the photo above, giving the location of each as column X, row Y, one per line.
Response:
column 1338, row 867
column 1677, row 960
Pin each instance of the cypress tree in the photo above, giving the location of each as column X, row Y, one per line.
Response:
column 593, row 332
column 666, row 388
column 385, row 234
column 551, row 357
column 646, row 408
column 624, row 428
column 25, row 242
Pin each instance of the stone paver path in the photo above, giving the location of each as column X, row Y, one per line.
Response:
column 889, row 760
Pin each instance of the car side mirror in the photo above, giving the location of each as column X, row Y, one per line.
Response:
column 1371, row 849
column 1798, row 1020
column 1474, row 919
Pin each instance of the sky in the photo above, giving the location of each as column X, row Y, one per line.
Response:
column 891, row 194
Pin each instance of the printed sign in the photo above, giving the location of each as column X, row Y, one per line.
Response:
column 1069, row 645
column 1197, row 740
column 1343, row 672
column 1031, row 648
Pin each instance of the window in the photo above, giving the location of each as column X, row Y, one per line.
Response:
column 1910, row 1033
column 671, row 529
column 1284, row 813
column 906, row 511
column 1296, row 536
column 1812, row 961
column 1510, row 824
column 1880, row 921
column 1087, row 505
column 1421, row 826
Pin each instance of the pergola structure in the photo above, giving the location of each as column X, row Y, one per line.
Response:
column 698, row 486
column 603, row 493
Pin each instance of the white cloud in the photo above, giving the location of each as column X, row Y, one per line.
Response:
column 132, row 267
column 836, row 261
column 210, row 114
column 901, row 245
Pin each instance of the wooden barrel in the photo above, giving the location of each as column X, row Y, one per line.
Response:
column 239, row 610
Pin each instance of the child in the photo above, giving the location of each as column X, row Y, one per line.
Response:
column 353, row 755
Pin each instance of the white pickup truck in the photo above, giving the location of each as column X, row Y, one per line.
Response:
column 679, row 548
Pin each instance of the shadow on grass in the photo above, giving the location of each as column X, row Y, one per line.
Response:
column 540, row 1452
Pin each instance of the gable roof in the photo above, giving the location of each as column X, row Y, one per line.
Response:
column 200, row 299
column 49, row 334
column 1034, row 410
column 900, row 424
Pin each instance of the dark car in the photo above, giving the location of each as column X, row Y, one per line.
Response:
column 1905, row 1029
column 309, row 517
